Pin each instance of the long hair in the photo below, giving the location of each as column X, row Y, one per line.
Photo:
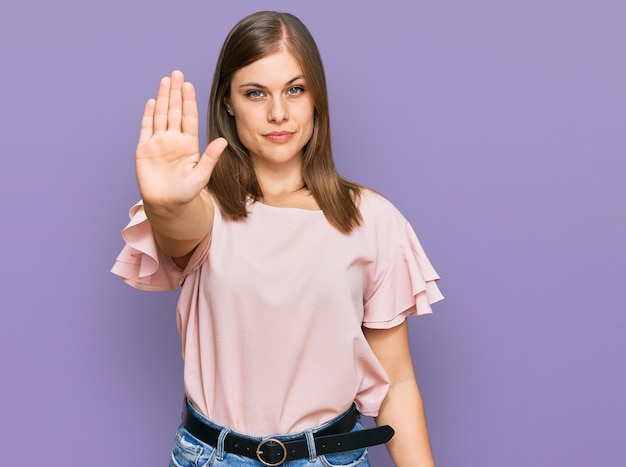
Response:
column 233, row 180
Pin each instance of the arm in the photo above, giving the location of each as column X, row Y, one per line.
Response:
column 402, row 408
column 171, row 174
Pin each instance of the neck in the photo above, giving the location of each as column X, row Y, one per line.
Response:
column 281, row 181
column 285, row 190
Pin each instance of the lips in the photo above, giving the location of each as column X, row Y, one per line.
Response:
column 278, row 136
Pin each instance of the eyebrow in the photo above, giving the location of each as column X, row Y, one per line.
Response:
column 257, row 85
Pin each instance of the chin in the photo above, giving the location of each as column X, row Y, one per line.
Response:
column 279, row 155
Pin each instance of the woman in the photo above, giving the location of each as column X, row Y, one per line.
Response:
column 295, row 283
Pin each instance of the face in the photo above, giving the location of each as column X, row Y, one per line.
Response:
column 273, row 110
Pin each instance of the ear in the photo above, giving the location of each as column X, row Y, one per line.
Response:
column 228, row 105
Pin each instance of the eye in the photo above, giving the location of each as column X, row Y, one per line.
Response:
column 295, row 90
column 254, row 94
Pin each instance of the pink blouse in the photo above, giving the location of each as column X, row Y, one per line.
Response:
column 271, row 309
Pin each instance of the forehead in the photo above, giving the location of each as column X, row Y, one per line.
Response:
column 274, row 69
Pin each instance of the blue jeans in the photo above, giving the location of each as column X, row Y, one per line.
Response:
column 189, row 451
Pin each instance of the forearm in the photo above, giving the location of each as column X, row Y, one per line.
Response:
column 403, row 409
column 179, row 229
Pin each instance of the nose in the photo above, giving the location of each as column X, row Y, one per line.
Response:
column 277, row 111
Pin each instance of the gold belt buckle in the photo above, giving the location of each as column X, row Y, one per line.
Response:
column 259, row 452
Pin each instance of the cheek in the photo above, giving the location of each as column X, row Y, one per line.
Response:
column 247, row 134
column 310, row 124
column 308, row 116
column 244, row 128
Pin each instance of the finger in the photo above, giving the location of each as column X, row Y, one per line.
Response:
column 161, row 106
column 211, row 155
column 175, row 109
column 147, row 121
column 190, row 110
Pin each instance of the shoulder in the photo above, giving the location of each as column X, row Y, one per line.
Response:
column 375, row 208
column 381, row 220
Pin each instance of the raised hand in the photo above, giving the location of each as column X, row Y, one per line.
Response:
column 170, row 170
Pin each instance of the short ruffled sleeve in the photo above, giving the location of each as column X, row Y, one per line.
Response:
column 408, row 286
column 141, row 263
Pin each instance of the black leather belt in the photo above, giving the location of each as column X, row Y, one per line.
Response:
column 336, row 437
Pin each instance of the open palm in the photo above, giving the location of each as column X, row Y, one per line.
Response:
column 170, row 169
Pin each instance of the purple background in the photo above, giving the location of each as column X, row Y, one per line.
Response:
column 497, row 127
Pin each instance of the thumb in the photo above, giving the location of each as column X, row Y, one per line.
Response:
column 212, row 154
